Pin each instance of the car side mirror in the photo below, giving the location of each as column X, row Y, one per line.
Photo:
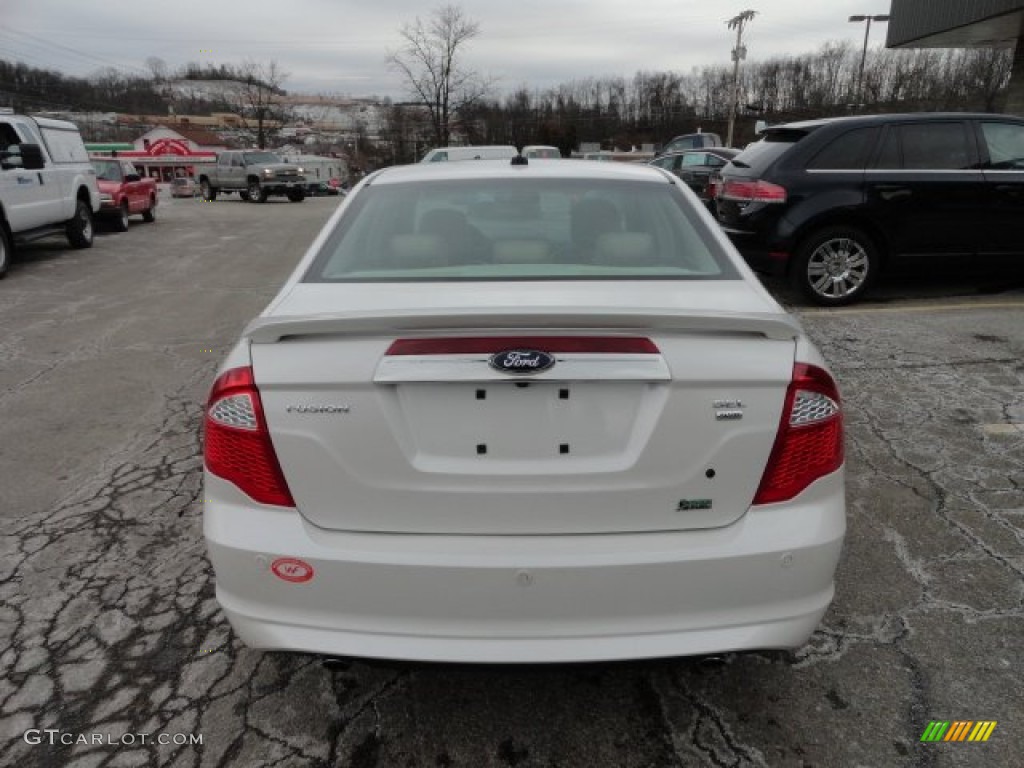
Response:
column 32, row 157
column 132, row 177
column 10, row 160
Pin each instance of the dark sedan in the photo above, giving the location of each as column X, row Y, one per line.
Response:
column 697, row 167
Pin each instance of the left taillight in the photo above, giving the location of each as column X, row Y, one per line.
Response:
column 809, row 443
column 237, row 447
column 756, row 191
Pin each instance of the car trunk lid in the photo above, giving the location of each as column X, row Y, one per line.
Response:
column 657, row 415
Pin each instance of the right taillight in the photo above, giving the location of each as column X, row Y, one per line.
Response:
column 758, row 191
column 809, row 443
column 237, row 447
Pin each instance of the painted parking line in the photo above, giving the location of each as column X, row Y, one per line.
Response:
column 1010, row 428
column 914, row 308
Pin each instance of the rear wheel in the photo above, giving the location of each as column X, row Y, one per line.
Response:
column 79, row 226
column 121, row 222
column 835, row 265
column 297, row 196
column 256, row 193
column 209, row 192
column 149, row 215
column 5, row 250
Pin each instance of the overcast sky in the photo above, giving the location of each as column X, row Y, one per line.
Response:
column 339, row 46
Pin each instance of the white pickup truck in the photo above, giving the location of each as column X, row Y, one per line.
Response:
column 47, row 184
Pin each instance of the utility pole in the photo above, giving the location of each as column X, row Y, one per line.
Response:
column 864, row 51
column 738, row 54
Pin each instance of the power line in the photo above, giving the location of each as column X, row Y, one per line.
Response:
column 43, row 42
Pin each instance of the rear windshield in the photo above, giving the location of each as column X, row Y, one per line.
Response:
column 519, row 229
column 763, row 153
column 254, row 158
column 108, row 170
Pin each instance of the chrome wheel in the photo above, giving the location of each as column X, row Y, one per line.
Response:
column 836, row 265
column 838, row 268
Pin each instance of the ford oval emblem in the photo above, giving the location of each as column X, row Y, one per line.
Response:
column 521, row 361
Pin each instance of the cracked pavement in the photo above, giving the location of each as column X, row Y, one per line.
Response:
column 108, row 624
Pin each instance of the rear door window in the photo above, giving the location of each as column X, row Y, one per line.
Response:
column 889, row 157
column 935, row 146
column 846, row 152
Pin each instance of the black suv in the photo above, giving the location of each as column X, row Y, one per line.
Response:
column 828, row 202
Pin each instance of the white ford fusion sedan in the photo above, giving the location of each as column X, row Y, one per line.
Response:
column 523, row 412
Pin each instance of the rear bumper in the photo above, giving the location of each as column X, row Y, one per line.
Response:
column 758, row 252
column 763, row 582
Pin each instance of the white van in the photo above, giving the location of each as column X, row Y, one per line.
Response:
column 448, row 154
column 541, row 152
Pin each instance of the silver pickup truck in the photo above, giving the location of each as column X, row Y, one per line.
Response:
column 255, row 175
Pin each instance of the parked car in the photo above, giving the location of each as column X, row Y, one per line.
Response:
column 541, row 152
column 691, row 141
column 533, row 412
column 123, row 192
column 183, row 186
column 450, row 154
column 47, row 185
column 323, row 189
column 830, row 202
column 697, row 167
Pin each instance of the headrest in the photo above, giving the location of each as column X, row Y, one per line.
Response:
column 624, row 249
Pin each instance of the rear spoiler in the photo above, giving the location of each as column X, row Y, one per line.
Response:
column 269, row 330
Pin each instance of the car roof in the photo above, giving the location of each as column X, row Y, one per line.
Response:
column 503, row 169
column 691, row 135
column 810, row 125
column 731, row 151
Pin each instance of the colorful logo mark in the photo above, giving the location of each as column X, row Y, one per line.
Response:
column 958, row 730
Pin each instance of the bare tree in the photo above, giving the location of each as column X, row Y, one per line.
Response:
column 260, row 97
column 430, row 62
column 157, row 67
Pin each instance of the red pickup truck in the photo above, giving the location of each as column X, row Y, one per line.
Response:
column 123, row 192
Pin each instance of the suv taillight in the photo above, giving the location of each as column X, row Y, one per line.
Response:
column 752, row 191
column 809, row 443
column 237, row 447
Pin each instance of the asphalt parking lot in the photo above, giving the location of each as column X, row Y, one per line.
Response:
column 110, row 634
